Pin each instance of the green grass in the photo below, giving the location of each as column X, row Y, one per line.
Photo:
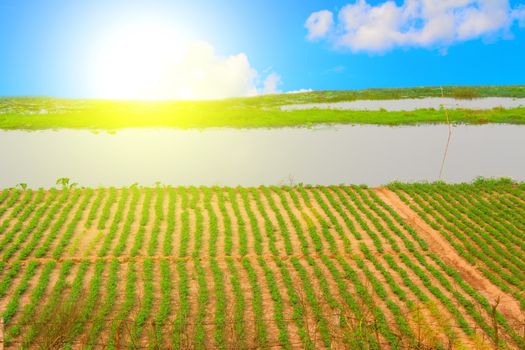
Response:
column 34, row 113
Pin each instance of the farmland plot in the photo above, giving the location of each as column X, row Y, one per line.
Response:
column 407, row 266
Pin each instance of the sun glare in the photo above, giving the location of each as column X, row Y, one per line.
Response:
column 136, row 59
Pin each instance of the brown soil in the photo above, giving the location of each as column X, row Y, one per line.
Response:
column 249, row 229
column 135, row 225
column 12, row 220
column 150, row 224
column 508, row 306
column 80, row 231
column 279, row 240
column 234, row 224
column 294, row 238
column 317, row 210
column 89, row 233
column 434, row 320
column 64, row 227
column 298, row 214
column 249, row 315
column 293, row 332
column 192, row 220
column 205, row 234
column 415, row 278
column 475, row 228
column 175, row 239
column 267, row 303
column 365, row 236
column 221, row 237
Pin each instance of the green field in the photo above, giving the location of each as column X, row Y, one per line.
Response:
column 407, row 266
column 262, row 111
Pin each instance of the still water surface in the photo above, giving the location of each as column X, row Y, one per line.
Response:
column 367, row 154
column 411, row 104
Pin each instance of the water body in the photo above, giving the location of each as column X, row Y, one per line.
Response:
column 410, row 104
column 363, row 154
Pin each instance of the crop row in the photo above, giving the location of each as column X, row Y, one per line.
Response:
column 234, row 267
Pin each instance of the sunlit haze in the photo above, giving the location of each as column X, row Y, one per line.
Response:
column 150, row 58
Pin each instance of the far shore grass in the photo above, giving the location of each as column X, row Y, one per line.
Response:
column 255, row 119
column 37, row 113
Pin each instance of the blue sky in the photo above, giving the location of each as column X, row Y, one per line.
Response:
column 46, row 47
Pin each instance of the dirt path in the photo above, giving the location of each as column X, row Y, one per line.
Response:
column 508, row 305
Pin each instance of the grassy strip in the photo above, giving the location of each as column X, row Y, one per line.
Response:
column 28, row 229
column 25, row 207
column 199, row 226
column 12, row 306
column 261, row 334
column 45, row 315
column 278, row 307
column 364, row 294
column 298, row 229
column 203, row 296
column 70, row 230
column 39, row 231
column 159, row 216
column 57, row 227
column 93, row 211
column 268, row 225
column 139, row 236
column 220, row 305
column 241, row 225
column 126, row 229
column 91, row 299
column 312, row 299
column 250, row 112
column 340, row 209
column 106, row 210
column 3, row 196
column 185, row 223
column 165, row 303
column 167, row 246
column 238, row 327
column 29, row 310
column 181, row 331
column 107, row 304
column 283, row 228
column 325, row 225
column 130, row 300
column 10, row 202
column 113, row 228
column 227, row 222
column 146, row 302
column 298, row 312
column 8, row 277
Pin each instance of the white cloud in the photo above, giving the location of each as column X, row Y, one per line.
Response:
column 193, row 71
column 318, row 24
column 420, row 23
column 300, row 91
column 519, row 14
column 271, row 83
column 201, row 73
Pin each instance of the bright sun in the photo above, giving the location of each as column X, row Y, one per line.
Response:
column 135, row 60
column 153, row 58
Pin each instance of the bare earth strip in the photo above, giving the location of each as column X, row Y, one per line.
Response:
column 508, row 306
